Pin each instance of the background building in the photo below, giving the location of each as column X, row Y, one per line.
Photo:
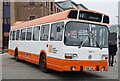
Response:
column 24, row 11
column 6, row 23
column 1, row 15
column 69, row 4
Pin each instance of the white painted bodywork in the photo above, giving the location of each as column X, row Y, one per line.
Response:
column 34, row 47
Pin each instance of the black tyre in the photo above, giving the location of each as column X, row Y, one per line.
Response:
column 16, row 56
column 43, row 64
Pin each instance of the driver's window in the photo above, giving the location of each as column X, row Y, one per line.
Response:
column 44, row 33
column 102, row 37
column 56, row 33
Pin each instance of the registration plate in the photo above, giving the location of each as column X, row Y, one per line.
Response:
column 89, row 68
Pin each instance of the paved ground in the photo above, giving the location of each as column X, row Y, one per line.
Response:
column 24, row 70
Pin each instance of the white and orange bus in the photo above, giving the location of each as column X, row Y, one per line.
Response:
column 72, row 40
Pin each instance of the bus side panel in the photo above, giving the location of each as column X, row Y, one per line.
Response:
column 33, row 58
column 29, row 51
column 55, row 53
column 11, row 52
column 54, row 63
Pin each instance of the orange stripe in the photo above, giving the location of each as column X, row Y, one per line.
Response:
column 61, row 65
column 11, row 52
column 54, row 63
column 33, row 58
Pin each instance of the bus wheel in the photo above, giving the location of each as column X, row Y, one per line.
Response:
column 42, row 63
column 16, row 55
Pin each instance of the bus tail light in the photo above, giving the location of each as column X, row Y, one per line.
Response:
column 68, row 57
column 71, row 56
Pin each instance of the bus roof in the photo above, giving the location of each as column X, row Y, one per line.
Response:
column 42, row 20
column 47, row 19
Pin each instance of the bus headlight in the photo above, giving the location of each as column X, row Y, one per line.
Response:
column 71, row 56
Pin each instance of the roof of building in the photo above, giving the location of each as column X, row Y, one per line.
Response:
column 68, row 3
column 83, row 6
column 59, row 5
column 47, row 19
column 72, row 3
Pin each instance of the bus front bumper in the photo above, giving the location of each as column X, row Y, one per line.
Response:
column 77, row 65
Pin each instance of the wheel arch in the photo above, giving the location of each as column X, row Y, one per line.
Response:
column 41, row 53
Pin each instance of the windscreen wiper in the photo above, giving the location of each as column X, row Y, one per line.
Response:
column 82, row 43
column 100, row 46
column 96, row 41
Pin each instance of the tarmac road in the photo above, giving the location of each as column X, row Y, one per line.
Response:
column 24, row 70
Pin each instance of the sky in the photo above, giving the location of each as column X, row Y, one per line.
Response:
column 109, row 7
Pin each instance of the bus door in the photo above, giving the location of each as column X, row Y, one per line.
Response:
column 56, row 40
column 44, row 35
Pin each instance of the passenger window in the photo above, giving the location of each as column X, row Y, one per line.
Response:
column 10, row 35
column 57, row 31
column 36, row 33
column 44, row 32
column 13, row 35
column 17, row 34
column 22, row 36
column 29, row 34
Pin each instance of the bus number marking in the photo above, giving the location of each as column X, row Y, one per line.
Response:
column 52, row 50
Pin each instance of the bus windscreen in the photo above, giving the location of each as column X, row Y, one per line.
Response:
column 106, row 19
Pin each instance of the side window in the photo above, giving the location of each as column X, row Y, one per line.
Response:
column 22, row 36
column 36, row 33
column 44, row 32
column 13, row 35
column 17, row 34
column 10, row 35
column 29, row 34
column 56, row 31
